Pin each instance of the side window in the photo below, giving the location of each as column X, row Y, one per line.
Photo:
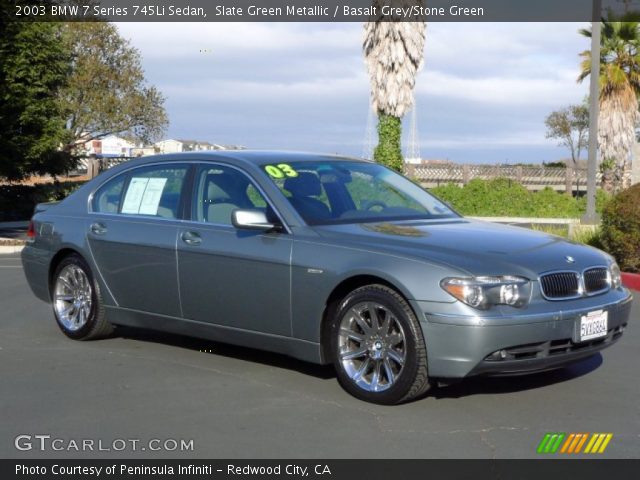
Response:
column 107, row 199
column 220, row 190
column 154, row 191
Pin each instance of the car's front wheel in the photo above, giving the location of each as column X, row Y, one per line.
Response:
column 378, row 348
column 77, row 303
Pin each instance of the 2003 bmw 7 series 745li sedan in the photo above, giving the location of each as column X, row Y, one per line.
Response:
column 323, row 258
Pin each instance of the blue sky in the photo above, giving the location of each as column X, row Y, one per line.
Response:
column 482, row 95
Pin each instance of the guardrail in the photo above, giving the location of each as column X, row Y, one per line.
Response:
column 533, row 177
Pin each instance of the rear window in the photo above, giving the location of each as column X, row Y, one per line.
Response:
column 149, row 191
column 107, row 198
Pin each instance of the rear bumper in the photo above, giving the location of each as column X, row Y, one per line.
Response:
column 456, row 350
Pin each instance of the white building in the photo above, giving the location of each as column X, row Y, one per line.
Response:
column 182, row 145
column 109, row 146
column 169, row 146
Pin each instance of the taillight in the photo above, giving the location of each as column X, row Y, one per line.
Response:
column 31, row 231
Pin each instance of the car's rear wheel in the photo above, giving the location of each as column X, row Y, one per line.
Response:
column 77, row 303
column 378, row 348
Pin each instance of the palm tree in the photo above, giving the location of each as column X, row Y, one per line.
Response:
column 394, row 52
column 619, row 89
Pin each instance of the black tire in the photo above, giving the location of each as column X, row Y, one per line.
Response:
column 96, row 325
column 412, row 380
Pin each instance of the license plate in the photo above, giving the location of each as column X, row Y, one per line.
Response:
column 593, row 325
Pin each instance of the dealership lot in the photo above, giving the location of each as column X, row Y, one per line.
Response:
column 240, row 403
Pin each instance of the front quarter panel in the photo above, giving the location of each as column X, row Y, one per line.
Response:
column 318, row 267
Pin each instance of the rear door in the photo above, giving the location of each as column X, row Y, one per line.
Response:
column 132, row 235
column 230, row 277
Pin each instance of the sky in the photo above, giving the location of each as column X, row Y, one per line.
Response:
column 481, row 97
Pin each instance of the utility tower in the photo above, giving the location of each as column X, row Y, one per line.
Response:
column 412, row 153
column 369, row 135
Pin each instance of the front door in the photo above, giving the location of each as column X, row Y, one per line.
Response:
column 230, row 277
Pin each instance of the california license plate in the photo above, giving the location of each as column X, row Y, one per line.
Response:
column 593, row 325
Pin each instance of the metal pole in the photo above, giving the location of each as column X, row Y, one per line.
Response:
column 591, row 217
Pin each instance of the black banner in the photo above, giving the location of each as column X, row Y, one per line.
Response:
column 316, row 10
column 321, row 469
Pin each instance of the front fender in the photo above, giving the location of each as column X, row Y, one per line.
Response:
column 319, row 267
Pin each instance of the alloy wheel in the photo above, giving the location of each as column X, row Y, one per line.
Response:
column 72, row 297
column 372, row 346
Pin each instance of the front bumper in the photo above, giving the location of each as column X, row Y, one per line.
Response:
column 456, row 348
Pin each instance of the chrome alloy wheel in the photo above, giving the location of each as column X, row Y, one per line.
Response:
column 372, row 346
column 72, row 297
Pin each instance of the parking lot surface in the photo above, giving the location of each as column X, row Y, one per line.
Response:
column 239, row 403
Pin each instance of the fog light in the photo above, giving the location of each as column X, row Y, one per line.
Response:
column 497, row 356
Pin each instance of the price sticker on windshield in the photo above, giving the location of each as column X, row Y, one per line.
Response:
column 281, row 170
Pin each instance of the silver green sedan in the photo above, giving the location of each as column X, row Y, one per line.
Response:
column 327, row 259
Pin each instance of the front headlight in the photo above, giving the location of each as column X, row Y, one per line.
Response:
column 483, row 292
column 616, row 276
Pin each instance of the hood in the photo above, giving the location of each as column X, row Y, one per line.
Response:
column 472, row 246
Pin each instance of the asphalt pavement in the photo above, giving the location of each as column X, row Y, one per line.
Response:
column 240, row 403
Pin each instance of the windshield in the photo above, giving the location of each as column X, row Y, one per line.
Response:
column 353, row 192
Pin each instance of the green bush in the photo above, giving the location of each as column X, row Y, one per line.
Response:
column 621, row 228
column 18, row 201
column 502, row 197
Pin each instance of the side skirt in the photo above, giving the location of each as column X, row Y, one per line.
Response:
column 293, row 347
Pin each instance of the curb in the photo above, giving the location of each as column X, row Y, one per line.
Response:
column 631, row 280
column 8, row 249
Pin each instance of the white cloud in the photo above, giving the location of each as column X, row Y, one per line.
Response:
column 172, row 40
column 504, row 91
column 483, row 86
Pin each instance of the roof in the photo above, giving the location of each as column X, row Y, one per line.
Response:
column 258, row 157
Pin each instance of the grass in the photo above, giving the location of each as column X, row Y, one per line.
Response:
column 587, row 235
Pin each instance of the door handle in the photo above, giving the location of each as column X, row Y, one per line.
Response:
column 191, row 238
column 98, row 228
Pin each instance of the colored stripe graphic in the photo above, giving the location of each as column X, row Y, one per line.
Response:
column 598, row 442
column 551, row 442
column 573, row 443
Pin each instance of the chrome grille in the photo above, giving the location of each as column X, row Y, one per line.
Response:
column 596, row 280
column 560, row 285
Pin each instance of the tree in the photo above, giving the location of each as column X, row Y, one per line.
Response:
column 107, row 92
column 619, row 89
column 394, row 53
column 34, row 66
column 570, row 126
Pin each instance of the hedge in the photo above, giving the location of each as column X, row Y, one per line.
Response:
column 502, row 197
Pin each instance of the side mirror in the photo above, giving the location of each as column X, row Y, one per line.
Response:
column 252, row 220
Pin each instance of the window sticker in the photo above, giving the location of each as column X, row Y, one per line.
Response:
column 281, row 170
column 134, row 195
column 151, row 198
column 143, row 196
